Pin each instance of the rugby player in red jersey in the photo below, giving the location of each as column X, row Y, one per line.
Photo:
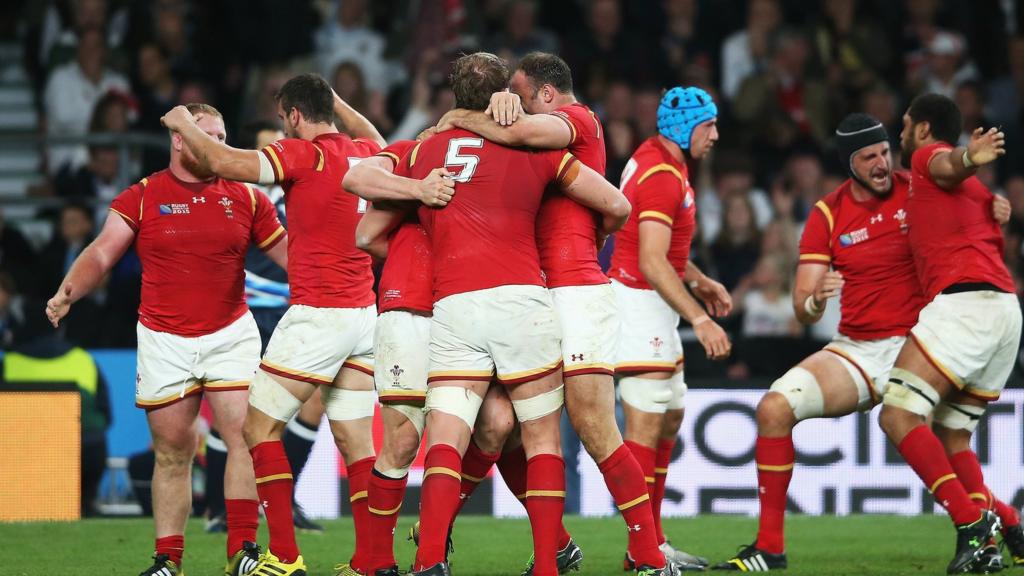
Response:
column 326, row 337
column 648, row 269
column 855, row 240
column 194, row 336
column 568, row 241
column 492, row 314
column 964, row 344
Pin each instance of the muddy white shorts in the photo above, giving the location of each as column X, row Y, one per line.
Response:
column 869, row 363
column 312, row 344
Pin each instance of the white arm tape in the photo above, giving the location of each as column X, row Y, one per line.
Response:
column 266, row 171
column 645, row 394
column 341, row 405
column 539, row 406
column 456, row 401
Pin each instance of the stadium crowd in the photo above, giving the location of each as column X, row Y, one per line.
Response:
column 782, row 73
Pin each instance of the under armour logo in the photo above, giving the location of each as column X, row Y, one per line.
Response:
column 265, row 504
column 577, row 357
column 633, row 528
column 877, row 218
column 199, row 199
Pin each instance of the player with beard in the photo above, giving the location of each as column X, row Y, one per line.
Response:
column 326, row 337
column 195, row 337
column 964, row 345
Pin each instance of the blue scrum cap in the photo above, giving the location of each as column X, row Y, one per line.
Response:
column 681, row 110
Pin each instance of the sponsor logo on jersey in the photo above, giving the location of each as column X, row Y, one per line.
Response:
column 855, row 237
column 168, row 209
column 877, row 218
column 226, row 203
column 199, row 199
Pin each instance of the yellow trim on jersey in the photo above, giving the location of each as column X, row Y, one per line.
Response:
column 278, row 232
column 978, row 496
column 273, row 477
column 634, row 502
column 828, row 214
column 565, row 160
column 572, row 129
column 380, row 512
column 126, row 218
column 277, row 162
column 144, row 182
column 142, row 198
column 660, row 471
column 189, row 390
column 412, row 155
column 225, row 384
column 659, row 168
column 359, row 496
column 528, row 373
column 649, row 479
column 773, row 468
column 295, row 372
column 816, row 257
column 551, row 493
column 390, row 156
column 657, row 215
column 941, row 481
column 320, row 163
column 252, row 198
column 440, row 470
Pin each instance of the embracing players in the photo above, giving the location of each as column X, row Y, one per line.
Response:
column 191, row 230
column 567, row 242
column 326, row 337
column 964, row 345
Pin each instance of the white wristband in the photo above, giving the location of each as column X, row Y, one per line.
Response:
column 811, row 307
column 700, row 320
column 967, row 160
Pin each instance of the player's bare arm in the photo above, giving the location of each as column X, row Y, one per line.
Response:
column 952, row 167
column 814, row 285
column 355, row 123
column 90, row 267
column 711, row 292
column 590, row 189
column 655, row 239
column 1001, row 209
column 374, row 227
column 278, row 253
column 374, row 180
column 534, row 130
column 214, row 155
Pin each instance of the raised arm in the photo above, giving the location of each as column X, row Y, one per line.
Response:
column 951, row 167
column 815, row 284
column 356, row 124
column 214, row 155
column 374, row 227
column 90, row 267
column 374, row 180
column 533, row 130
column 591, row 190
column 655, row 239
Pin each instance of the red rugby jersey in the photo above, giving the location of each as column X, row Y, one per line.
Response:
column 191, row 238
column 867, row 243
column 658, row 188
column 405, row 281
column 953, row 235
column 566, row 230
column 486, row 236
column 325, row 269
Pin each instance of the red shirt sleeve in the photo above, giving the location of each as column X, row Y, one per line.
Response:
column 816, row 241
column 267, row 230
column 365, row 147
column 923, row 157
column 128, row 204
column 290, row 157
column 395, row 152
column 579, row 120
column 658, row 198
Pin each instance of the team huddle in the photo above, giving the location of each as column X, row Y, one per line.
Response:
column 492, row 314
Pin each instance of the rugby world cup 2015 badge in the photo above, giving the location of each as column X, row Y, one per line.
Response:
column 169, row 209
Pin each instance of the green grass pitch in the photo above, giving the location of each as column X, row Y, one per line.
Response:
column 859, row 545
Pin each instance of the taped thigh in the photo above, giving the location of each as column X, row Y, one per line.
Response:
column 455, row 401
column 802, row 391
column 910, row 392
column 270, row 397
column 958, row 416
column 341, row 405
column 415, row 414
column 539, row 406
column 646, row 394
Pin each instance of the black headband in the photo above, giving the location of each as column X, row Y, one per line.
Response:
column 848, row 143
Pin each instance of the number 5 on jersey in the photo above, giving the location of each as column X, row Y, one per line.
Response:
column 463, row 166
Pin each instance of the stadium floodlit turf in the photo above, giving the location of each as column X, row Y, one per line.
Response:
column 859, row 545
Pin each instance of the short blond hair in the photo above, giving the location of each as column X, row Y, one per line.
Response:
column 201, row 108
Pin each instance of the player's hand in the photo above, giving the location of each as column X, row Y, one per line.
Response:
column 427, row 133
column 505, row 107
column 58, row 306
column 714, row 340
column 714, row 295
column 1001, row 209
column 437, row 189
column 828, row 286
column 986, row 146
column 177, row 118
column 602, row 239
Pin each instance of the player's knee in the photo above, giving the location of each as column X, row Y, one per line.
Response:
column 539, row 405
column 492, row 429
column 774, row 412
column 802, row 392
column 401, row 450
column 646, row 394
column 175, row 450
column 908, row 396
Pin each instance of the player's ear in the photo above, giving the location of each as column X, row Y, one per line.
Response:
column 922, row 130
column 176, row 142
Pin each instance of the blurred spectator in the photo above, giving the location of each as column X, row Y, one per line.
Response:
column 879, row 101
column 765, row 301
column 804, row 175
column 733, row 174
column 947, row 65
column 64, row 21
column 175, row 34
column 17, row 256
column 349, row 83
column 72, row 92
column 616, row 111
column 781, row 105
column 157, row 89
column 97, row 179
column 738, row 246
column 971, row 102
column 347, row 36
column 520, row 34
column 73, row 233
column 684, row 46
column 918, row 30
column 603, row 52
column 745, row 52
column 426, row 105
column 9, row 302
column 645, row 112
column 853, row 53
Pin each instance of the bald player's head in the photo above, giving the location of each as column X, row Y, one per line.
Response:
column 475, row 77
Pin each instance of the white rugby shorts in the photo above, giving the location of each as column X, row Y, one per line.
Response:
column 649, row 335
column 313, row 344
column 401, row 347
column 869, row 363
column 590, row 328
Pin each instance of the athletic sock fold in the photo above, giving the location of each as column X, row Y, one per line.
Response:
column 173, row 546
column 243, row 519
column 274, row 484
